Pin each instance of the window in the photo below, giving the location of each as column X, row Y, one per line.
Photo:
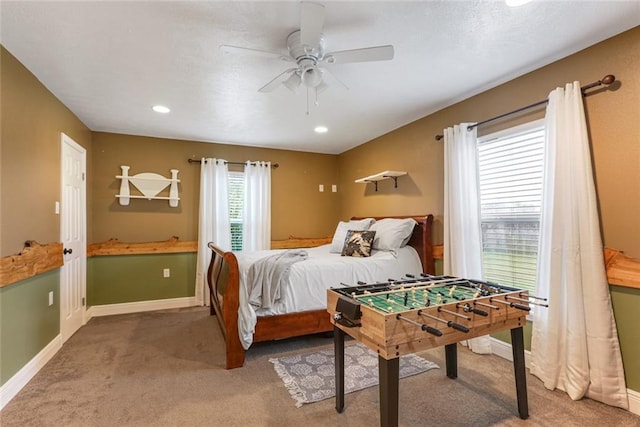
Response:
column 236, row 202
column 510, row 176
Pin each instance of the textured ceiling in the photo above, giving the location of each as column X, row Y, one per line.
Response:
column 109, row 62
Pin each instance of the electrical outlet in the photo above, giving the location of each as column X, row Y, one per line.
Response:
column 334, row 188
column 50, row 298
column 166, row 272
column 321, row 188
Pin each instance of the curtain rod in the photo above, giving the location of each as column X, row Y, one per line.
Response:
column 606, row 80
column 274, row 165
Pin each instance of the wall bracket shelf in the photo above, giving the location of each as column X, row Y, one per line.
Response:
column 150, row 185
column 381, row 176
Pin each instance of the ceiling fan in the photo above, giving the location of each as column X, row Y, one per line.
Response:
column 306, row 48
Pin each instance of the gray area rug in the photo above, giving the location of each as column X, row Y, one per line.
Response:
column 310, row 377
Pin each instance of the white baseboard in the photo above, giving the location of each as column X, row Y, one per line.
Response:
column 140, row 306
column 634, row 401
column 13, row 386
column 503, row 349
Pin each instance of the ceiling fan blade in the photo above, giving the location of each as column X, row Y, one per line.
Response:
column 278, row 80
column 328, row 72
column 375, row 53
column 321, row 88
column 311, row 23
column 255, row 52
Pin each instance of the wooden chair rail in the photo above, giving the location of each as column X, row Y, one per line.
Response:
column 173, row 245
column 300, row 242
column 34, row 259
column 622, row 270
column 116, row 247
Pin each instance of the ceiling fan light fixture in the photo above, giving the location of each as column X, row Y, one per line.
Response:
column 293, row 82
column 312, row 76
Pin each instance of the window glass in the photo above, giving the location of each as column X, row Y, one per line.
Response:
column 510, row 176
column 236, row 202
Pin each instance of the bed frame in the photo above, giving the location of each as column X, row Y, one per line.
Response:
column 223, row 280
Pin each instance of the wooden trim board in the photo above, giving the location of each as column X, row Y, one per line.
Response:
column 34, row 259
column 116, row 247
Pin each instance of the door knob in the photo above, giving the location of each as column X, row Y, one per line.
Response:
column 67, row 251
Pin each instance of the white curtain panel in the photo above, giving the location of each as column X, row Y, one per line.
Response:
column 462, row 234
column 575, row 343
column 213, row 221
column 256, row 231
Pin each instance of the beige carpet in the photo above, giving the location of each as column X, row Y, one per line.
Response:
column 167, row 369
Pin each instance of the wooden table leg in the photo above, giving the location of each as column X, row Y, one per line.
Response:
column 338, row 348
column 389, row 372
column 517, row 346
column 451, row 360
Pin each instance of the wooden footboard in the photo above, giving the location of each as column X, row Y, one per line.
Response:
column 223, row 279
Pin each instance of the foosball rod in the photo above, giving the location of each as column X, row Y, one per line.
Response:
column 453, row 313
column 449, row 323
column 510, row 304
column 466, row 307
column 525, row 300
column 434, row 331
column 535, row 297
column 484, row 304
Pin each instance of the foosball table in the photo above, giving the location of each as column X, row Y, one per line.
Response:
column 400, row 317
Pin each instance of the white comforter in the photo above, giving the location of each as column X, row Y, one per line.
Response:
column 309, row 279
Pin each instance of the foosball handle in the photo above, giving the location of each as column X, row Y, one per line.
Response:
column 520, row 306
column 432, row 330
column 478, row 311
column 457, row 326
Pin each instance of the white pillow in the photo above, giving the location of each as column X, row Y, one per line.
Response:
column 341, row 232
column 392, row 233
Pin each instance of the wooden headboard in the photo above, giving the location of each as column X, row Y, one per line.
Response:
column 420, row 239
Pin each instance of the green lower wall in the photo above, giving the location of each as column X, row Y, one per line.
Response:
column 626, row 308
column 132, row 278
column 27, row 322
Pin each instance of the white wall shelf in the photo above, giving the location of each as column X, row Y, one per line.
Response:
column 381, row 176
column 150, row 185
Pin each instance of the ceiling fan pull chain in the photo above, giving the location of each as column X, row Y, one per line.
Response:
column 307, row 101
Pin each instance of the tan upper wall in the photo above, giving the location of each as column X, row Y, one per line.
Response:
column 614, row 124
column 297, row 206
column 32, row 121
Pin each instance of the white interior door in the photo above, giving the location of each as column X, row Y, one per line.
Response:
column 73, row 278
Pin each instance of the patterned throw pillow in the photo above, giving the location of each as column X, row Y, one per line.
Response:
column 358, row 243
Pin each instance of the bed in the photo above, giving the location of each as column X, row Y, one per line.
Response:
column 227, row 271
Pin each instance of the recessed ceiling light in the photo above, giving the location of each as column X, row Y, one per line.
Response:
column 516, row 3
column 160, row 109
column 321, row 129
